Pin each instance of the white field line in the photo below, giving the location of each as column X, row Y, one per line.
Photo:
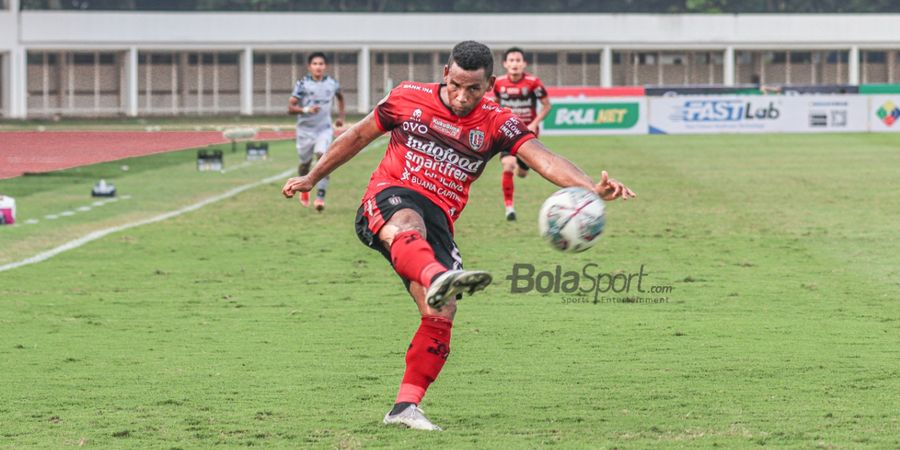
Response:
column 104, row 232
column 239, row 166
column 82, row 209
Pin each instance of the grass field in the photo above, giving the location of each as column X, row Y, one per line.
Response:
column 253, row 321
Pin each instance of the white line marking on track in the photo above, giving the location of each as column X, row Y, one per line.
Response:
column 239, row 166
column 79, row 209
column 73, row 244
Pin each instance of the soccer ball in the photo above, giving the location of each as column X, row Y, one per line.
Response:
column 572, row 219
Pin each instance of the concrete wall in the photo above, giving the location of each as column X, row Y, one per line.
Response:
column 597, row 49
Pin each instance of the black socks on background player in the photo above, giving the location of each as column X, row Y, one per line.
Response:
column 320, row 193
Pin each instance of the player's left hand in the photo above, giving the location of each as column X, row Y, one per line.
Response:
column 533, row 127
column 611, row 189
column 338, row 123
column 296, row 184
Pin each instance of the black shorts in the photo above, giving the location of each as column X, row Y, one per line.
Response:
column 375, row 212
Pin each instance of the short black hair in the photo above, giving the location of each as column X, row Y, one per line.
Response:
column 471, row 55
column 315, row 55
column 513, row 50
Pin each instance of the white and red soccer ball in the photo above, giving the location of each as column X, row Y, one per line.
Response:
column 572, row 219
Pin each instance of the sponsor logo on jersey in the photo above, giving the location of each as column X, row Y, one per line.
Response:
column 476, row 139
column 441, row 154
column 415, row 127
column 510, row 128
column 445, row 128
column 516, row 103
column 416, row 87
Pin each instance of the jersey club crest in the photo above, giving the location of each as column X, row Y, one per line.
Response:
column 476, row 139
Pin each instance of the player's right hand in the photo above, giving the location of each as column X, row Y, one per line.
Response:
column 314, row 109
column 296, row 184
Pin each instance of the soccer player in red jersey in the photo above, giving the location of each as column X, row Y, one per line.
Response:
column 519, row 91
column 442, row 136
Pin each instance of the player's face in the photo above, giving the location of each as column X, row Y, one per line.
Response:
column 317, row 67
column 465, row 88
column 514, row 63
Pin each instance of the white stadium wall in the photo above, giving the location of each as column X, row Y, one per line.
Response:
column 135, row 63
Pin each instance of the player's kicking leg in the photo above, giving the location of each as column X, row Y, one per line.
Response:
column 423, row 253
column 425, row 358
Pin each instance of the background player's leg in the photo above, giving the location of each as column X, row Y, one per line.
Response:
column 521, row 168
column 305, row 152
column 509, row 166
column 322, row 143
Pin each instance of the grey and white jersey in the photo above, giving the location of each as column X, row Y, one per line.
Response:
column 310, row 92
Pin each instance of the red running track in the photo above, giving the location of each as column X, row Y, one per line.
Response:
column 36, row 151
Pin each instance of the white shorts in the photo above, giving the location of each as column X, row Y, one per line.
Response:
column 309, row 142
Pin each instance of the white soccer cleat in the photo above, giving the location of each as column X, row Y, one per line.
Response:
column 453, row 282
column 412, row 417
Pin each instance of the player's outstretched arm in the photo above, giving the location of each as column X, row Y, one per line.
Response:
column 561, row 172
column 345, row 147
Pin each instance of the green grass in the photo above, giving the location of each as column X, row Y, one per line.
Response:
column 255, row 322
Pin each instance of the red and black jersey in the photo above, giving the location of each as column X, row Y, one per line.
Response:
column 520, row 96
column 435, row 152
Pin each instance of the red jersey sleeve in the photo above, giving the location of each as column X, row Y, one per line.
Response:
column 510, row 133
column 538, row 88
column 386, row 111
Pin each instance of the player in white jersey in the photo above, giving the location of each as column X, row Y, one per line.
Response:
column 311, row 103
